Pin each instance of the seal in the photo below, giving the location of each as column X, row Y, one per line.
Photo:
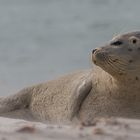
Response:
column 111, row 88
column 116, row 86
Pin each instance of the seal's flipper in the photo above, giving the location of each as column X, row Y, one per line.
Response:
column 11, row 106
column 79, row 94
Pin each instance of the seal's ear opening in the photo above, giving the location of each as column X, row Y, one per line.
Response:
column 133, row 40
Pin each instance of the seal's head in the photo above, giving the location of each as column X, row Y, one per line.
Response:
column 121, row 56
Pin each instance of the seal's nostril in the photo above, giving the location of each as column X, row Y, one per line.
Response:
column 94, row 51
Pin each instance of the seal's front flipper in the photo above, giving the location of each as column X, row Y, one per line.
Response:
column 79, row 94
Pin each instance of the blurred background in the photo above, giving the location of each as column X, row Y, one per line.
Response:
column 43, row 39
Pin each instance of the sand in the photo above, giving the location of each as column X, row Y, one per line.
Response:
column 102, row 129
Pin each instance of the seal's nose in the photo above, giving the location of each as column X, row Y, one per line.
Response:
column 94, row 51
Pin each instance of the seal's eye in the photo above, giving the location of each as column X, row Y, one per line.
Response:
column 134, row 41
column 117, row 43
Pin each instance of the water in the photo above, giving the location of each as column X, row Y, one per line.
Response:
column 42, row 39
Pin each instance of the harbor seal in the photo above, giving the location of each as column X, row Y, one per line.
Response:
column 111, row 88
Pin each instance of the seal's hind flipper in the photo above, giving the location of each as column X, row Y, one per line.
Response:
column 13, row 104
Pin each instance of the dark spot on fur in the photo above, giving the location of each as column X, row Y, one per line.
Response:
column 130, row 50
column 94, row 61
column 130, row 61
column 26, row 106
column 139, row 49
column 137, row 78
column 110, row 93
column 120, row 73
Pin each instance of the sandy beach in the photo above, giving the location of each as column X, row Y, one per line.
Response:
column 102, row 129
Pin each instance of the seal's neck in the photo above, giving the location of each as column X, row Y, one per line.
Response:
column 122, row 81
column 128, row 83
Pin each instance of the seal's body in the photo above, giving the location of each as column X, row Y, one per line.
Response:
column 112, row 88
column 55, row 101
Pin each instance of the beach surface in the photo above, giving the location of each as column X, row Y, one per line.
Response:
column 102, row 129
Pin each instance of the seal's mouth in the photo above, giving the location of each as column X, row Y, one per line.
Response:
column 98, row 57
